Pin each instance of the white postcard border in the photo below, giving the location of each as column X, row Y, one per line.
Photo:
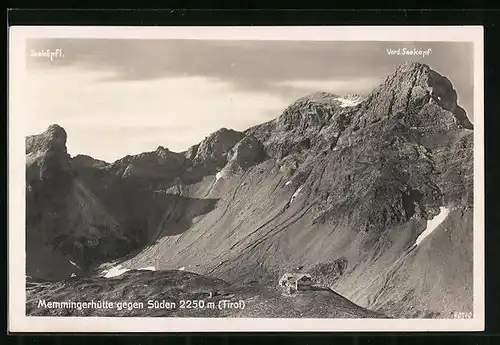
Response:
column 19, row 322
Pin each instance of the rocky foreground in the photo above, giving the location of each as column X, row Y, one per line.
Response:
column 185, row 294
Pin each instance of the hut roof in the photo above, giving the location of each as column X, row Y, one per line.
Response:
column 296, row 276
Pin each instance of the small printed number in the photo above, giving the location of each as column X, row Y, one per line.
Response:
column 462, row 315
column 192, row 304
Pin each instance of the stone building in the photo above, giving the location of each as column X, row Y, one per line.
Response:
column 293, row 282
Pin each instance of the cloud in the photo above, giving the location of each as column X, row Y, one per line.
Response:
column 253, row 65
column 110, row 120
column 339, row 87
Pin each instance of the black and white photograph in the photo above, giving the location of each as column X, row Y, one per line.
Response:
column 241, row 181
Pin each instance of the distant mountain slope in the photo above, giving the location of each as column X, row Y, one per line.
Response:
column 340, row 186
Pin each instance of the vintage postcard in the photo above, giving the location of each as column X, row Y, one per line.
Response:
column 194, row 179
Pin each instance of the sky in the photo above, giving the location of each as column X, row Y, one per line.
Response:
column 120, row 96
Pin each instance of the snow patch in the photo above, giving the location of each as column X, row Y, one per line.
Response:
column 118, row 270
column 296, row 193
column 347, row 102
column 150, row 268
column 432, row 224
column 73, row 275
column 74, row 264
column 218, row 176
column 182, row 268
column 286, row 184
column 115, row 271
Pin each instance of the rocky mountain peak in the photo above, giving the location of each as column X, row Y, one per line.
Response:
column 425, row 98
column 217, row 144
column 320, row 97
column 411, row 66
column 311, row 111
column 163, row 152
column 88, row 161
column 47, row 157
column 415, row 74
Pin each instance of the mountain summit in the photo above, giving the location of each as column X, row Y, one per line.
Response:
column 421, row 96
column 373, row 194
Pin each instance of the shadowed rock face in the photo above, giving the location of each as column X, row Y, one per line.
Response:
column 247, row 152
column 339, row 186
column 46, row 156
column 66, row 222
